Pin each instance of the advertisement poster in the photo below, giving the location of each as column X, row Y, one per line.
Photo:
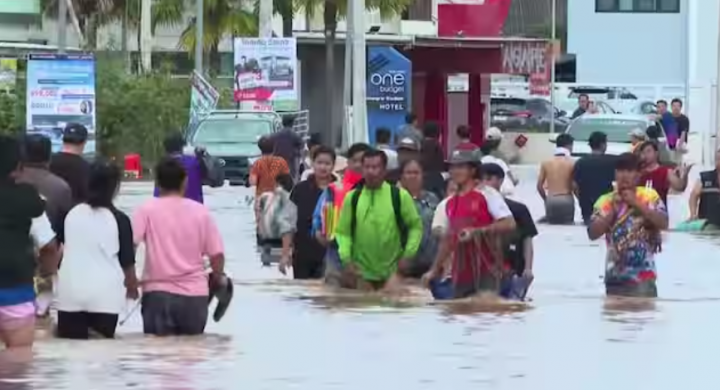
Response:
column 8, row 74
column 61, row 90
column 203, row 99
column 389, row 76
column 266, row 71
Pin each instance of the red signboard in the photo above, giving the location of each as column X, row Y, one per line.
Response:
column 472, row 18
column 525, row 58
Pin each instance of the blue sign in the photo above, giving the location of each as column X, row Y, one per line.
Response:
column 61, row 90
column 389, row 76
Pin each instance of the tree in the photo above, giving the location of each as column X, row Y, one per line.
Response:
column 91, row 15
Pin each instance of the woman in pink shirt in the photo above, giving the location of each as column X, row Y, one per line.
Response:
column 178, row 234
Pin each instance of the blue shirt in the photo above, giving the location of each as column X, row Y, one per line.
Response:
column 17, row 295
column 671, row 129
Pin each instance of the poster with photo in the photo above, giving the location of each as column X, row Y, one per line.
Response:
column 266, row 71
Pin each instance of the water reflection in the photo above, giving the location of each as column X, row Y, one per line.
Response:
column 284, row 334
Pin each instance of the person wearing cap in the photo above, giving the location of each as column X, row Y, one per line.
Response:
column 378, row 231
column 631, row 217
column 410, row 129
column 469, row 223
column 517, row 247
column 407, row 149
column 383, row 137
column 555, row 183
column 637, row 136
column 69, row 163
column 490, row 150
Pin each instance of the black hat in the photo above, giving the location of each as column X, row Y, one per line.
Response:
column 464, row 157
column 75, row 134
column 408, row 143
column 492, row 170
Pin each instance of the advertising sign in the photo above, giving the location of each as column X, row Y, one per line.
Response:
column 203, row 98
column 389, row 76
column 266, row 71
column 8, row 74
column 61, row 90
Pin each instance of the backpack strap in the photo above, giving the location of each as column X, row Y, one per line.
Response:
column 402, row 228
column 353, row 204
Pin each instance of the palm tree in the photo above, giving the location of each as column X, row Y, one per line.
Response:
column 91, row 15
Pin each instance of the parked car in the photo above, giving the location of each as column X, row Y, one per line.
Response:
column 532, row 114
column 616, row 126
column 604, row 108
column 645, row 108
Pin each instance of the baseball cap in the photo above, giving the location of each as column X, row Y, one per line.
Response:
column 492, row 170
column 638, row 133
column 408, row 143
column 464, row 157
column 75, row 133
column 493, row 134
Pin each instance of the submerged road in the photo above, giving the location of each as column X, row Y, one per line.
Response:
column 283, row 335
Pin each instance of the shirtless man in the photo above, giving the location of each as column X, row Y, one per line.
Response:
column 555, row 183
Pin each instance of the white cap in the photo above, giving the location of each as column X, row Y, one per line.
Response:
column 493, row 134
column 638, row 133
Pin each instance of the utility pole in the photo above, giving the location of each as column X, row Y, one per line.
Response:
column 359, row 93
column 62, row 26
column 146, row 35
column 265, row 19
column 553, row 38
column 347, row 134
column 199, row 34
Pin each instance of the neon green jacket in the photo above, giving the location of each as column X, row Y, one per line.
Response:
column 376, row 247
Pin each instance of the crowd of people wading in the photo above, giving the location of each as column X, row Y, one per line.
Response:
column 369, row 220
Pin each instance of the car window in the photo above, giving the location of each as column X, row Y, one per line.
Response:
column 233, row 135
column 508, row 104
column 617, row 130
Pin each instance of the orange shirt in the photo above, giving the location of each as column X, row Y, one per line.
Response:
column 266, row 169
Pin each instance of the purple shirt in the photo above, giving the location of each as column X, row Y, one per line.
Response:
column 193, row 168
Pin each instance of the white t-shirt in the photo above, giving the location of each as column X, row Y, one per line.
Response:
column 496, row 206
column 507, row 187
column 41, row 231
column 91, row 278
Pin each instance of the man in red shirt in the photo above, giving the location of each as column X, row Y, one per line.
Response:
column 469, row 258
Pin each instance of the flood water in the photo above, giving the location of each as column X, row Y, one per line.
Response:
column 283, row 335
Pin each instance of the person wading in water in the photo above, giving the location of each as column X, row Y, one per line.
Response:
column 470, row 222
column 631, row 218
column 309, row 254
column 593, row 174
column 193, row 164
column 178, row 234
column 661, row 178
column 379, row 228
column 69, row 163
column 555, row 183
column 705, row 198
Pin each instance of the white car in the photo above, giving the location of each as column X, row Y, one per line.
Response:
column 617, row 127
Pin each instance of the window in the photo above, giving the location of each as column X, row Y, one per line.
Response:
column 638, row 6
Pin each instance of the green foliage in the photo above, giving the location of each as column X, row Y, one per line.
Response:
column 134, row 112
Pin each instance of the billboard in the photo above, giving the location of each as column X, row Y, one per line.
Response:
column 203, row 99
column 388, row 86
column 266, row 71
column 60, row 90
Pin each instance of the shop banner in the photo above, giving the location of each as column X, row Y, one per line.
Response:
column 61, row 90
column 203, row 99
column 8, row 75
column 266, row 71
column 389, row 76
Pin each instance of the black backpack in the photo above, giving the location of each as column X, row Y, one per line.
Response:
column 395, row 194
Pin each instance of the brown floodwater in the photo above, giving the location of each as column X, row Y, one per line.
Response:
column 280, row 334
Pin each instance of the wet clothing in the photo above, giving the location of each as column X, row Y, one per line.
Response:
column 288, row 145
column 104, row 254
column 375, row 246
column 75, row 170
column 308, row 253
column 709, row 207
column 194, row 169
column 593, row 174
column 266, row 169
column 657, row 179
column 560, row 209
column 77, row 325
column 514, row 247
column 277, row 215
column 631, row 246
column 423, row 260
column 16, row 316
column 57, row 193
column 477, row 265
column 643, row 289
column 20, row 204
column 168, row 314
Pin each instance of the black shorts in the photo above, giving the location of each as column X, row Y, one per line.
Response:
column 644, row 289
column 167, row 314
column 77, row 325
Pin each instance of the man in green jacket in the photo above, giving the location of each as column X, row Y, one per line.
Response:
column 379, row 227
